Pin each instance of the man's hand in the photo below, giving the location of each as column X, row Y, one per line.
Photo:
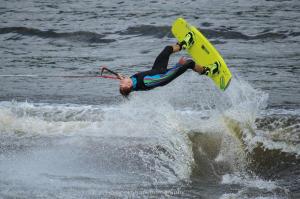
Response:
column 120, row 76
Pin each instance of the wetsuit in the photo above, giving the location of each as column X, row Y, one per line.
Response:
column 159, row 75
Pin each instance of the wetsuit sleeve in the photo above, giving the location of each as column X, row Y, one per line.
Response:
column 134, row 82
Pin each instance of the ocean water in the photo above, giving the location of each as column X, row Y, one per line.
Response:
column 78, row 138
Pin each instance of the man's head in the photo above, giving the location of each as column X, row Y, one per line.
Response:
column 125, row 86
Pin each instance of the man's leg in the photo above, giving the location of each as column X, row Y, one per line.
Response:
column 168, row 76
column 197, row 68
column 162, row 60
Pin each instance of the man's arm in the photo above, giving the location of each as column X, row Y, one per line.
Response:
column 120, row 76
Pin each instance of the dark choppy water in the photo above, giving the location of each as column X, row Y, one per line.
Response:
column 77, row 138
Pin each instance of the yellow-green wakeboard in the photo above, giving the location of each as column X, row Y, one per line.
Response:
column 203, row 52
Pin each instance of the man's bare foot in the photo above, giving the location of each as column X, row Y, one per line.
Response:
column 176, row 48
column 199, row 69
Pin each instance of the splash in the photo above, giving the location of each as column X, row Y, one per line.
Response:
column 161, row 136
column 159, row 143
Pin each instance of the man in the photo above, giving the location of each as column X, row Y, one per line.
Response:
column 159, row 75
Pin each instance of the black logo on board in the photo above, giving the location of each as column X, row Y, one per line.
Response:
column 205, row 49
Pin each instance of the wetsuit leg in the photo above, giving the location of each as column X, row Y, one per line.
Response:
column 159, row 75
column 162, row 60
column 152, row 81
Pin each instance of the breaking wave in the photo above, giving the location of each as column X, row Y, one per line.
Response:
column 221, row 139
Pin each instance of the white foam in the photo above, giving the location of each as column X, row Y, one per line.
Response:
column 248, row 181
column 156, row 122
column 147, row 116
column 42, row 119
column 239, row 195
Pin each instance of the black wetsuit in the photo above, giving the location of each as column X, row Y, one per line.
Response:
column 159, row 75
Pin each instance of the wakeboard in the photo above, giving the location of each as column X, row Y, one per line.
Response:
column 203, row 52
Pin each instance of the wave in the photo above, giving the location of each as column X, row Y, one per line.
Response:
column 150, row 148
column 265, row 155
column 165, row 31
column 217, row 137
column 148, row 30
column 142, row 30
column 81, row 36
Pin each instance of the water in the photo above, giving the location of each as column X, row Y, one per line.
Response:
column 78, row 138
